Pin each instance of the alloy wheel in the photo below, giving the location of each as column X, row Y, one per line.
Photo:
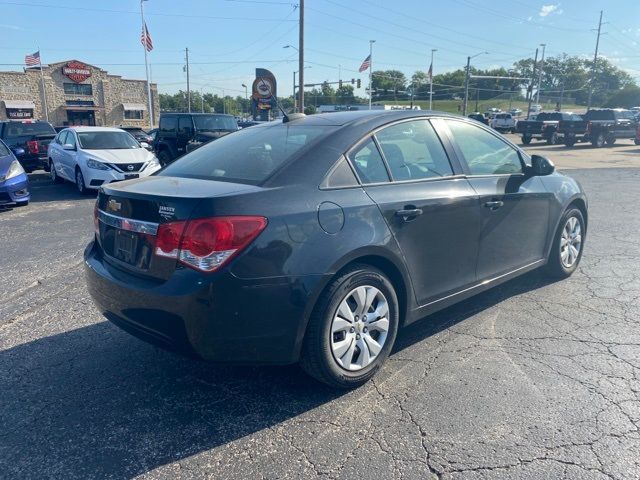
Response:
column 570, row 242
column 80, row 181
column 359, row 328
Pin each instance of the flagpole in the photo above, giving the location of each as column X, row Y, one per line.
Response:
column 146, row 66
column 431, row 81
column 44, row 91
column 371, row 42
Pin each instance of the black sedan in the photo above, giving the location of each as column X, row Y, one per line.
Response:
column 315, row 239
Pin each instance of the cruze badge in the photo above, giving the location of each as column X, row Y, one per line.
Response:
column 166, row 212
column 113, row 205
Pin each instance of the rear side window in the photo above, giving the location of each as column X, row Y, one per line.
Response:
column 19, row 129
column 413, row 151
column 484, row 153
column 247, row 156
column 168, row 124
column 368, row 163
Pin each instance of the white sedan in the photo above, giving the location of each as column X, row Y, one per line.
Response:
column 94, row 156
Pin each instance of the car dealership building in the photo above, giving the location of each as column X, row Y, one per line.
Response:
column 76, row 94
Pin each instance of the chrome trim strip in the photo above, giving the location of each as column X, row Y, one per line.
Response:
column 138, row 226
column 483, row 283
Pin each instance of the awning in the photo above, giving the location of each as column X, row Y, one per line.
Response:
column 19, row 104
column 129, row 107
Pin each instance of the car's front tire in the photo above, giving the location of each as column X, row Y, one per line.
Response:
column 55, row 178
column 80, row 185
column 526, row 139
column 352, row 328
column 598, row 141
column 568, row 244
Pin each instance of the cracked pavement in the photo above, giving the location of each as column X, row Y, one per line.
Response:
column 532, row 379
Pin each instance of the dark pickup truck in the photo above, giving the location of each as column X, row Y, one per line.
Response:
column 545, row 127
column 600, row 127
column 28, row 139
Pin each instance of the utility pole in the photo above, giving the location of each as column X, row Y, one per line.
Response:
column 595, row 61
column 295, row 99
column 371, row 42
column 543, row 45
column 146, row 65
column 186, row 51
column 530, row 92
column 431, row 81
column 301, row 57
column 466, row 88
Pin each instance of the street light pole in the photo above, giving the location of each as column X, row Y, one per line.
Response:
column 466, row 83
column 246, row 97
column 301, row 57
column 371, row 42
column 530, row 93
column 295, row 100
column 543, row 45
column 431, row 81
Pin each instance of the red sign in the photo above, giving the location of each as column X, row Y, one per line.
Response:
column 76, row 71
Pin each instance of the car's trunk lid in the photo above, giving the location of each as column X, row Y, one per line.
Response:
column 131, row 212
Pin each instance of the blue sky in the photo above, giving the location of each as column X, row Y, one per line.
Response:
column 228, row 39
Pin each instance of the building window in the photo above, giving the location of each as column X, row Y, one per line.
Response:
column 133, row 114
column 78, row 89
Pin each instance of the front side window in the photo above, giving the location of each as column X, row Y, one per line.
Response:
column 168, row 124
column 413, row 151
column 4, row 151
column 484, row 153
column 106, row 140
column 184, row 125
column 70, row 139
column 368, row 163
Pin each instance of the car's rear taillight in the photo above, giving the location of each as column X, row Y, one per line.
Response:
column 33, row 147
column 589, row 126
column 206, row 244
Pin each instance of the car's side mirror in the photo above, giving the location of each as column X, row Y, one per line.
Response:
column 68, row 146
column 541, row 166
column 18, row 151
column 144, row 145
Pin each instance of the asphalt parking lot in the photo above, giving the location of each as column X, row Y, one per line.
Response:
column 532, row 379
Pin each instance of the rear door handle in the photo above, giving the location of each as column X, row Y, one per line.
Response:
column 494, row 205
column 408, row 213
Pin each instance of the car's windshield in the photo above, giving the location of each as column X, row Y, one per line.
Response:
column 247, row 156
column 19, row 129
column 214, row 123
column 106, row 140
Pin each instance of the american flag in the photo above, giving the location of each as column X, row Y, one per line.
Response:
column 430, row 73
column 366, row 64
column 145, row 38
column 33, row 59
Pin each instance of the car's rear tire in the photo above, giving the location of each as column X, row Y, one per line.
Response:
column 610, row 139
column 164, row 158
column 598, row 141
column 569, row 140
column 568, row 244
column 352, row 328
column 80, row 185
column 552, row 139
column 526, row 139
column 54, row 174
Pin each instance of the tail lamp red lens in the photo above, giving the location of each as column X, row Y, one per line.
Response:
column 33, row 147
column 207, row 243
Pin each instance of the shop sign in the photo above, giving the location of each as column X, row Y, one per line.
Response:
column 76, row 71
column 19, row 113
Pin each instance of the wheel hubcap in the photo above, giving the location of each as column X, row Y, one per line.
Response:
column 359, row 328
column 80, row 181
column 570, row 242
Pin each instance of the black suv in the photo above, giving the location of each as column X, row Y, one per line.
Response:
column 33, row 137
column 180, row 133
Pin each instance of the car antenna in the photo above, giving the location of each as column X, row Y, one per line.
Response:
column 285, row 117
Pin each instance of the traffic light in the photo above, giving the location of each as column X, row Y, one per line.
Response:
column 353, row 81
column 339, row 83
column 358, row 84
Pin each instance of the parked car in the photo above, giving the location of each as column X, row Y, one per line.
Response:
column 516, row 112
column 33, row 137
column 315, row 239
column 14, row 182
column 503, row 122
column 92, row 157
column 140, row 135
column 545, row 127
column 600, row 127
column 477, row 116
column 179, row 133
column 637, row 139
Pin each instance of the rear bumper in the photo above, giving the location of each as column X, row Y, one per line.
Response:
column 15, row 190
column 33, row 162
column 215, row 317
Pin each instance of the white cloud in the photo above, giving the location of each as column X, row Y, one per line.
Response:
column 547, row 10
column 11, row 27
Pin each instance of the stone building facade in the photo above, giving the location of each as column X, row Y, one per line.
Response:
column 77, row 94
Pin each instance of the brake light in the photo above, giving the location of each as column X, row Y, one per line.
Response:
column 32, row 146
column 206, row 244
column 589, row 127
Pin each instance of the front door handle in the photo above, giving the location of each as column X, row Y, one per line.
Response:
column 409, row 213
column 494, row 205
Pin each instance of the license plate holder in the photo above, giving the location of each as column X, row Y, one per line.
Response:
column 125, row 246
column 130, row 176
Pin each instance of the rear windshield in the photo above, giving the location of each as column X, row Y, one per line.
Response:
column 247, row 156
column 599, row 115
column 18, row 129
column 549, row 117
column 107, row 140
column 213, row 123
